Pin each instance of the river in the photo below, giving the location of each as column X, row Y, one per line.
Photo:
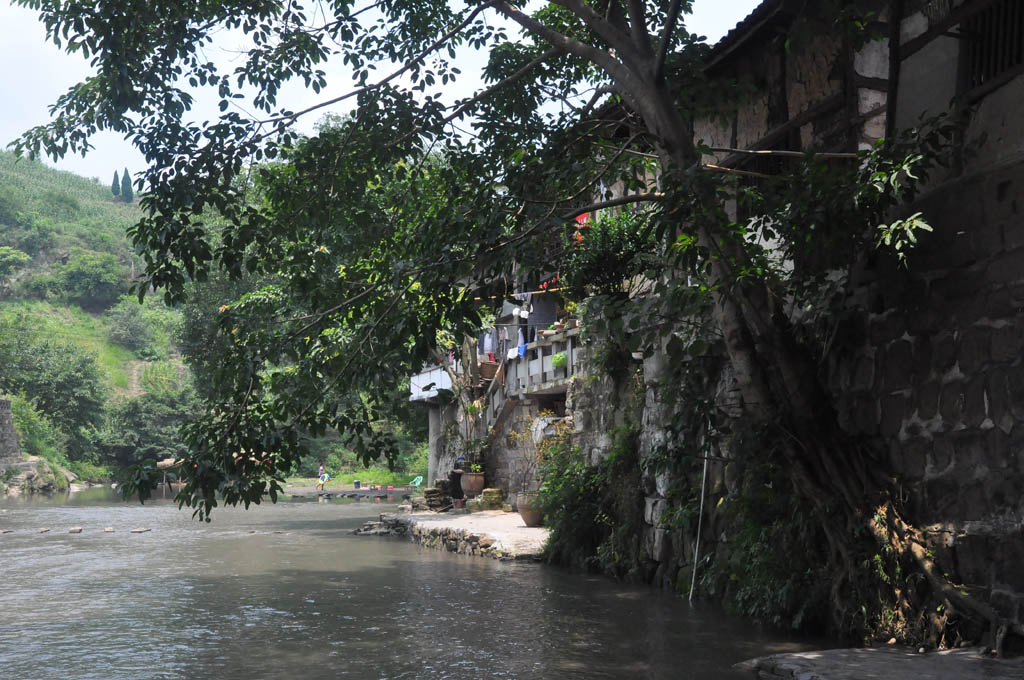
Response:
column 287, row 591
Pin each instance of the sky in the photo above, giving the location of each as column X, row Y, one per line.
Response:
column 36, row 73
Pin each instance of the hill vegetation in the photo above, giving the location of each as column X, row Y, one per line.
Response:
column 97, row 381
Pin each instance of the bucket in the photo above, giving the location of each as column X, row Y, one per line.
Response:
column 356, row 483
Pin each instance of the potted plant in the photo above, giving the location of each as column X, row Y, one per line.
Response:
column 473, row 480
column 535, row 439
column 559, row 360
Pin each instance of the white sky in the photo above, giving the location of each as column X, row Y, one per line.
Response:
column 36, row 73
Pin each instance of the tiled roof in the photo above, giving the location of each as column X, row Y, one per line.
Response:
column 762, row 13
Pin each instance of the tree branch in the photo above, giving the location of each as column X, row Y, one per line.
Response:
column 395, row 74
column 606, row 29
column 611, row 203
column 666, row 37
column 612, row 66
column 638, row 27
column 483, row 94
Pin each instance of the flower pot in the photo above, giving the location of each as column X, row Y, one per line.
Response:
column 529, row 509
column 472, row 483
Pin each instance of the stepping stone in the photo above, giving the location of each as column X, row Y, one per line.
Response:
column 6, row 531
column 108, row 530
column 139, row 530
column 44, row 530
column 280, row 532
column 75, row 530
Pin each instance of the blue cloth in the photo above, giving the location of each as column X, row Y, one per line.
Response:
column 522, row 350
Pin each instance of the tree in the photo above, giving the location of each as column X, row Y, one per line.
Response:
column 348, row 293
column 127, row 195
column 64, row 383
column 115, row 186
column 93, row 280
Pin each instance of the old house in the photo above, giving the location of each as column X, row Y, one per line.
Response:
column 933, row 367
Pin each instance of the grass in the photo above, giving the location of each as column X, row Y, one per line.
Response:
column 72, row 325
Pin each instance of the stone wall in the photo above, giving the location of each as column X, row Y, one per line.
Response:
column 937, row 374
column 9, row 451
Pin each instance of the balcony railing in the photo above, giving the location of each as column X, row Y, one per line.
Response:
column 428, row 383
column 532, row 374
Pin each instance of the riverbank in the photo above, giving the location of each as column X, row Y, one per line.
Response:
column 889, row 663
column 490, row 533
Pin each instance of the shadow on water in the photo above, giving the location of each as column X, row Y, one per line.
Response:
column 233, row 599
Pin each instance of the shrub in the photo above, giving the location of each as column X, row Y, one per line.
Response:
column 595, row 512
column 128, row 326
column 607, row 254
column 93, row 280
column 37, row 436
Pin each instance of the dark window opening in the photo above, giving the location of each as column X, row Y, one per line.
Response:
column 554, row 403
column 995, row 42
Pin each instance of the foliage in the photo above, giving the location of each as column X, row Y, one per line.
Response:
column 148, row 427
column 64, row 382
column 559, row 359
column 115, row 185
column 594, row 511
column 147, row 329
column 93, row 280
column 604, row 255
column 11, row 260
column 37, row 436
column 771, row 570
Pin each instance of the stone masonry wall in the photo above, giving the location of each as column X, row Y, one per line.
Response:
column 937, row 373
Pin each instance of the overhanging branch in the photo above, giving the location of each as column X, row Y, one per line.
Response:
column 611, row 203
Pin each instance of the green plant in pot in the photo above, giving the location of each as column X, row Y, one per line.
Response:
column 536, row 439
column 559, row 360
column 473, row 470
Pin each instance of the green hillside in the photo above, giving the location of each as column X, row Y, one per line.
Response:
column 96, row 379
column 45, row 211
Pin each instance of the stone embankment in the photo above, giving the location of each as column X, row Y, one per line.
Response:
column 492, row 533
column 884, row 663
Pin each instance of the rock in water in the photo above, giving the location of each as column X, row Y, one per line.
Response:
column 139, row 530
column 75, row 530
column 44, row 530
column 108, row 530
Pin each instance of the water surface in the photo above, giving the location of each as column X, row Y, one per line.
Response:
column 233, row 599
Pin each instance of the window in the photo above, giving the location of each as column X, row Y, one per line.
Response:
column 995, row 42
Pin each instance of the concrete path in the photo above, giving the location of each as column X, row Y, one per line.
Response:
column 884, row 663
column 491, row 533
column 505, row 528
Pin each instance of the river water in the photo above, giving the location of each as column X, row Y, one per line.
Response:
column 287, row 591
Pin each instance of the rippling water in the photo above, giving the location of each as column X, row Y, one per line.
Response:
column 233, row 599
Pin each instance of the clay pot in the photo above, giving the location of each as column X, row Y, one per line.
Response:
column 528, row 505
column 472, row 483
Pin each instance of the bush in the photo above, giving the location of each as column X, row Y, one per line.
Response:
column 93, row 280
column 40, row 286
column 128, row 327
column 91, row 472
column 37, row 436
column 607, row 253
column 595, row 512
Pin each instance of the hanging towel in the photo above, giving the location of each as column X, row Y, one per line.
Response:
column 522, row 350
